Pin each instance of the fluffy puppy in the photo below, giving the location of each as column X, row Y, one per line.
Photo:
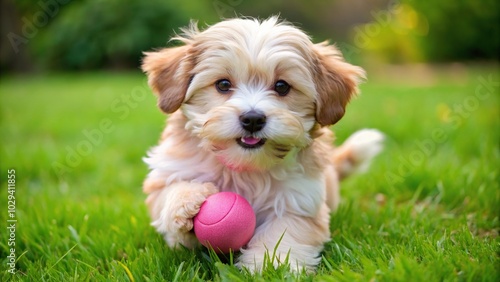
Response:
column 250, row 102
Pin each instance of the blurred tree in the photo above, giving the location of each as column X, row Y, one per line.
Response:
column 89, row 34
column 439, row 31
column 460, row 29
column 112, row 33
column 12, row 56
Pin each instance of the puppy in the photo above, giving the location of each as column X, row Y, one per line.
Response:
column 250, row 104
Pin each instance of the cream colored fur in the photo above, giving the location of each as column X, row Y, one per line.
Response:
column 292, row 181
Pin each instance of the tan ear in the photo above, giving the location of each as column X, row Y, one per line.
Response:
column 168, row 73
column 336, row 83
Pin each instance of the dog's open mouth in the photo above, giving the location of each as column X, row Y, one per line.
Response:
column 251, row 142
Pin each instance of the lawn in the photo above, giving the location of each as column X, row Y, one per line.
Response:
column 427, row 210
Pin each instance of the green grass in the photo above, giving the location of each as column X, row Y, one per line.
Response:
column 427, row 210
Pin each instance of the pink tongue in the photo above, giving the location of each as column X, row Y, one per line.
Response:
column 250, row 140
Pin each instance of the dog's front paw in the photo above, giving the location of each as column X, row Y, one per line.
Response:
column 188, row 205
column 250, row 261
column 256, row 260
column 181, row 204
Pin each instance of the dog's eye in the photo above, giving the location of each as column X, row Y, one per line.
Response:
column 223, row 86
column 282, row 87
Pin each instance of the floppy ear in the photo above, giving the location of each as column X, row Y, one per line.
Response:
column 168, row 73
column 336, row 83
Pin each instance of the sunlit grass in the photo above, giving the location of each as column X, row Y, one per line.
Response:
column 427, row 210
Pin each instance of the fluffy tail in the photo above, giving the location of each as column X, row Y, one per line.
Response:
column 357, row 151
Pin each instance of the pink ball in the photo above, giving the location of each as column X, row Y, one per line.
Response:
column 226, row 221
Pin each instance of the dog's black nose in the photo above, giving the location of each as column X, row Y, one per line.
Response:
column 253, row 121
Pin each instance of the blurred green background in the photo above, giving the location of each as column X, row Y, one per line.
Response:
column 40, row 35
